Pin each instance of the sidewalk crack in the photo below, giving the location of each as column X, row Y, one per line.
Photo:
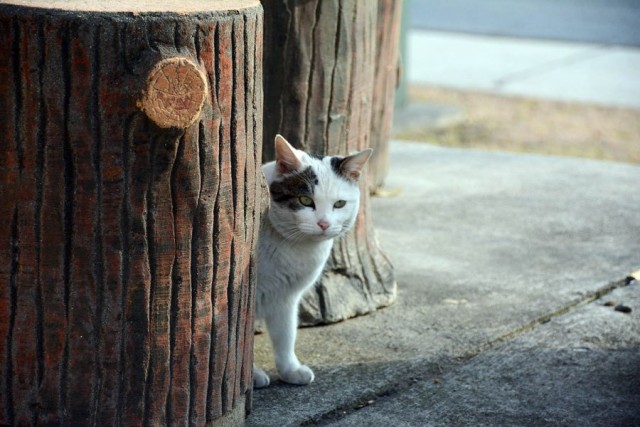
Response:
column 552, row 65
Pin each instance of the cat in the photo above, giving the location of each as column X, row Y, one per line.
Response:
column 314, row 200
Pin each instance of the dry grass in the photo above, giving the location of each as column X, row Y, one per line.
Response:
column 496, row 122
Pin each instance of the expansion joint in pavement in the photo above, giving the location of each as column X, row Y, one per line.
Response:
column 406, row 378
column 549, row 66
column 583, row 300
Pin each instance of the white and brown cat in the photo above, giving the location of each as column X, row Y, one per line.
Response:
column 314, row 200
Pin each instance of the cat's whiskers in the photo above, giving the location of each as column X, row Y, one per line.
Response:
column 293, row 234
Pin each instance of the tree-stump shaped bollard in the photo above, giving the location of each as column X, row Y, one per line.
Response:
column 319, row 74
column 387, row 74
column 129, row 206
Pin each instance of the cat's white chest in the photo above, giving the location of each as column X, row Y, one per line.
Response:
column 290, row 268
column 311, row 259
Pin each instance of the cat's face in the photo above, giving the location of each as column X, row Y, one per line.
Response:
column 313, row 198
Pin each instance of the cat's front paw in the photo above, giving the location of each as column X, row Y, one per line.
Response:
column 302, row 375
column 260, row 378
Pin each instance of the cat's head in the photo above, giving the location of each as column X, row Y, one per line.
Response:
column 313, row 197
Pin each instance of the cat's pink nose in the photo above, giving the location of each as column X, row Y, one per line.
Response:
column 323, row 224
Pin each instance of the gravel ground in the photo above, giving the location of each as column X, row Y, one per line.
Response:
column 495, row 122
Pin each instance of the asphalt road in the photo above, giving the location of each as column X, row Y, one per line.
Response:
column 592, row 21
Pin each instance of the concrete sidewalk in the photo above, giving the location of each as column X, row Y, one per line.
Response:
column 504, row 265
column 568, row 71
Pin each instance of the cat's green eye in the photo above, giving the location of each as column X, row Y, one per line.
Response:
column 306, row 201
column 339, row 204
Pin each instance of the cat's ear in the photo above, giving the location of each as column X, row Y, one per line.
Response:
column 286, row 159
column 351, row 166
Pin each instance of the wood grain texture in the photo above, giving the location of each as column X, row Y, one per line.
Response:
column 175, row 93
column 136, row 6
column 127, row 263
column 320, row 59
column 385, row 83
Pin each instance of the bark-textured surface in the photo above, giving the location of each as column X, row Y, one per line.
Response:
column 319, row 82
column 126, row 250
column 387, row 73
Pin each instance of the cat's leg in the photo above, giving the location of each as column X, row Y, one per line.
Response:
column 260, row 378
column 282, row 325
